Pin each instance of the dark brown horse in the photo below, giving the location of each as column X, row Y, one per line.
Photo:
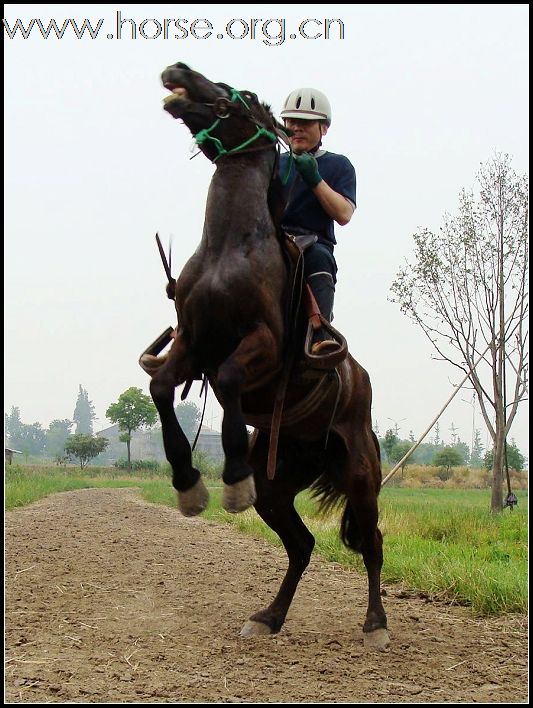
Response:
column 230, row 300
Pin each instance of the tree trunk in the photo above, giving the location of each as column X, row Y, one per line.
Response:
column 496, row 502
column 129, row 454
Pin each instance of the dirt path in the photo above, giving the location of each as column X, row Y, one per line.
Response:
column 110, row 599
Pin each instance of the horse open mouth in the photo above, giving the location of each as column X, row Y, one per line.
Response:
column 177, row 94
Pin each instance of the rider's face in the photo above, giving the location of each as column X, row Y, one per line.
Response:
column 306, row 134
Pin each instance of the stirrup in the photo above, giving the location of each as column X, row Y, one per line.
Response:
column 328, row 354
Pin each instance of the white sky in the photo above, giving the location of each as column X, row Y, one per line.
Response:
column 421, row 95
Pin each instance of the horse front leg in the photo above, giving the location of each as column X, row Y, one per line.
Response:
column 256, row 354
column 186, row 480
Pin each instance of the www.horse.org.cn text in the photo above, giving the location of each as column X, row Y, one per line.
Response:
column 272, row 32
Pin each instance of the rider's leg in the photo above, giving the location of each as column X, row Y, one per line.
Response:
column 323, row 288
column 320, row 271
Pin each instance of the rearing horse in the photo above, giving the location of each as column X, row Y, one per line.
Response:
column 230, row 300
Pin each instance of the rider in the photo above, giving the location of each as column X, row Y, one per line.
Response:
column 320, row 190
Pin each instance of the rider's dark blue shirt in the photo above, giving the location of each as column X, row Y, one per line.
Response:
column 303, row 209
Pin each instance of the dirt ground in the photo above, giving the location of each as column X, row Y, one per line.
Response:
column 110, row 599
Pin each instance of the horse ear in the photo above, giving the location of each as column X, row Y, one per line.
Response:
column 282, row 132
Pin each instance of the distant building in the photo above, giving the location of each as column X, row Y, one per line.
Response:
column 148, row 445
column 9, row 454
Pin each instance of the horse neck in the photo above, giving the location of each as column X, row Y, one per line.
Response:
column 237, row 201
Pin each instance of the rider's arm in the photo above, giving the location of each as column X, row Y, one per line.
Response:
column 334, row 204
column 337, row 206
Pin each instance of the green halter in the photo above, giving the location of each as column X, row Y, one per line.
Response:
column 204, row 135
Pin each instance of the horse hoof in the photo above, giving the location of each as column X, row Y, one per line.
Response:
column 239, row 496
column 194, row 500
column 378, row 640
column 255, row 629
column 151, row 364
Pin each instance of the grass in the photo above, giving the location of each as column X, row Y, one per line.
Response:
column 443, row 542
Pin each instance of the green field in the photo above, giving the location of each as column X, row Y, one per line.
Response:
column 443, row 542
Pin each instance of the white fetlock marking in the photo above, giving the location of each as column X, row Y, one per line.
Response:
column 378, row 639
column 194, row 500
column 255, row 629
column 239, row 496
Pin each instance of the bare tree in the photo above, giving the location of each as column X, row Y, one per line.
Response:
column 467, row 290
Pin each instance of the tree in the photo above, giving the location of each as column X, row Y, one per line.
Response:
column 467, row 290
column 447, row 457
column 56, row 436
column 463, row 451
column 477, row 450
column 515, row 459
column 389, row 442
column 399, row 450
column 84, row 413
column 84, row 447
column 29, row 439
column 132, row 410
column 188, row 415
column 13, row 425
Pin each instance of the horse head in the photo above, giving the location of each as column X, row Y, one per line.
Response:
column 205, row 107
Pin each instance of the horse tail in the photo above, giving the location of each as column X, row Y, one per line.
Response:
column 329, row 498
column 350, row 532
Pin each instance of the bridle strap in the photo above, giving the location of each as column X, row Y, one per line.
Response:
column 223, row 105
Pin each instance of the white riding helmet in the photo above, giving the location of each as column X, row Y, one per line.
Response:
column 307, row 104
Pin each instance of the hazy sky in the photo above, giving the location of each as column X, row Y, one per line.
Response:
column 421, row 95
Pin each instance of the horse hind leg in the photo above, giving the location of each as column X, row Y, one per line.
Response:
column 275, row 505
column 360, row 532
column 191, row 491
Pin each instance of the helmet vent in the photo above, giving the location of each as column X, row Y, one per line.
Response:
column 298, row 101
column 313, row 103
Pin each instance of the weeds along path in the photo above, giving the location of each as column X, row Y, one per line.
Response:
column 111, row 599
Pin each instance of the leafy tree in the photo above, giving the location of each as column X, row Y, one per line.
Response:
column 462, row 448
column 31, row 439
column 389, row 442
column 468, row 292
column 188, row 415
column 56, row 436
column 132, row 410
column 13, row 425
column 447, row 457
column 424, row 453
column 84, row 413
column 84, row 447
column 515, row 459
column 477, row 451
column 400, row 449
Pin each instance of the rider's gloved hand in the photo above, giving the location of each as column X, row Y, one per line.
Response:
column 307, row 166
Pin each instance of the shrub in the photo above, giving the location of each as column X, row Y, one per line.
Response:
column 149, row 465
